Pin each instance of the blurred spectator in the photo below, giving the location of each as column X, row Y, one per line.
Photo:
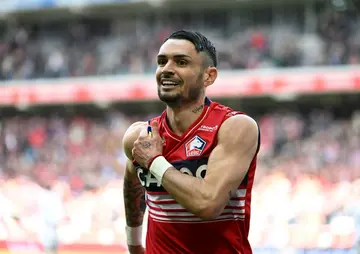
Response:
column 100, row 48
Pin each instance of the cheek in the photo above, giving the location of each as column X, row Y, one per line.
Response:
column 190, row 77
column 195, row 79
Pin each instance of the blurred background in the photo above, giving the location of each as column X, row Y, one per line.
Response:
column 75, row 74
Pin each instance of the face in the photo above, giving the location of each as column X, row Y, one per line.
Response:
column 181, row 76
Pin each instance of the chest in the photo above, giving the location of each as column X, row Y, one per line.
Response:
column 189, row 156
column 188, row 153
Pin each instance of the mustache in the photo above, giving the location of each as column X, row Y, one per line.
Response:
column 166, row 75
column 170, row 77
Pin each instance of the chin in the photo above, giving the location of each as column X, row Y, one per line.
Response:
column 170, row 99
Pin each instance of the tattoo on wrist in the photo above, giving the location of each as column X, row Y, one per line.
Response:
column 146, row 144
column 198, row 109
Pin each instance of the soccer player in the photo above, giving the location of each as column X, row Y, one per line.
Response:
column 193, row 166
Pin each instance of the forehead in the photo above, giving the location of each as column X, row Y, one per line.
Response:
column 173, row 47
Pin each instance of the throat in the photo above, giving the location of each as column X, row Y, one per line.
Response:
column 180, row 121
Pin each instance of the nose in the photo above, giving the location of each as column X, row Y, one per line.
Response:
column 168, row 69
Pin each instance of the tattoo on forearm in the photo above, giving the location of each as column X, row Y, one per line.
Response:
column 134, row 199
column 146, row 144
column 198, row 109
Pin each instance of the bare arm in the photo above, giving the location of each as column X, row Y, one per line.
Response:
column 134, row 197
column 227, row 167
column 133, row 191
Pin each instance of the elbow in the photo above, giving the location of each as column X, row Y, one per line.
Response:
column 207, row 215
column 209, row 210
column 209, row 204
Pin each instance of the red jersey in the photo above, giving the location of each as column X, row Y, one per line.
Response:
column 171, row 228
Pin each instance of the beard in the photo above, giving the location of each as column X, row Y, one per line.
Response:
column 178, row 99
column 182, row 98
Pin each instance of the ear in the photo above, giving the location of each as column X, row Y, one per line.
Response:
column 210, row 76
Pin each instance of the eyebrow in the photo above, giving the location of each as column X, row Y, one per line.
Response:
column 175, row 56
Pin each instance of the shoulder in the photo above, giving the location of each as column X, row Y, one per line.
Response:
column 226, row 111
column 130, row 136
column 239, row 129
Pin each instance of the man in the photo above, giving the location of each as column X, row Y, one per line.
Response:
column 196, row 161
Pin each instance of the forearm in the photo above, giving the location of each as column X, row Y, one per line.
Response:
column 191, row 192
column 134, row 200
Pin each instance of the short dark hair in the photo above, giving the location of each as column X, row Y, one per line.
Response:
column 201, row 43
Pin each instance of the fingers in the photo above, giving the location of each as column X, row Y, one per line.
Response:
column 155, row 128
column 150, row 131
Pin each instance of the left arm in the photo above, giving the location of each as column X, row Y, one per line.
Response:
column 227, row 166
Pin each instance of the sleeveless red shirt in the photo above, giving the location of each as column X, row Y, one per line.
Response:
column 171, row 228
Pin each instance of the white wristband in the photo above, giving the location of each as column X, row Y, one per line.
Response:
column 134, row 235
column 159, row 166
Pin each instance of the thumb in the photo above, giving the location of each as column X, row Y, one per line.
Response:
column 155, row 128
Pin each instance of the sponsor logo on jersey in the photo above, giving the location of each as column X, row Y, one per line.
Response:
column 208, row 128
column 195, row 146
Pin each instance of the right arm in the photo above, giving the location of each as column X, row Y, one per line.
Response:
column 134, row 197
column 134, row 192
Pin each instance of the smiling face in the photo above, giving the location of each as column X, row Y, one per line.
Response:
column 181, row 73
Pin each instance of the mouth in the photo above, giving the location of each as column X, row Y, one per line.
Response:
column 167, row 83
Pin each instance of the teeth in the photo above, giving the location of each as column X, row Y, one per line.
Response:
column 166, row 82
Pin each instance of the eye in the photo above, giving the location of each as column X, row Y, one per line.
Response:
column 161, row 62
column 182, row 62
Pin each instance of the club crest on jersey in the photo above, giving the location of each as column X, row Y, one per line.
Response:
column 195, row 146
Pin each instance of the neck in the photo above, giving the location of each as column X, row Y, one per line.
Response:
column 182, row 117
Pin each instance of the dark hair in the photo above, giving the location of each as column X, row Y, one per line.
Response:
column 201, row 43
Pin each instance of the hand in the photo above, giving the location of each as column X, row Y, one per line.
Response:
column 146, row 147
column 136, row 249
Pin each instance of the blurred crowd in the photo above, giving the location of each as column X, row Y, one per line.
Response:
column 311, row 195
column 306, row 193
column 243, row 40
column 79, row 157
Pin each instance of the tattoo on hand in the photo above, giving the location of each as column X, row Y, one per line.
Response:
column 146, row 144
column 198, row 109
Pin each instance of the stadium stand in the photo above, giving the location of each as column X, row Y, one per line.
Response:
column 89, row 47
